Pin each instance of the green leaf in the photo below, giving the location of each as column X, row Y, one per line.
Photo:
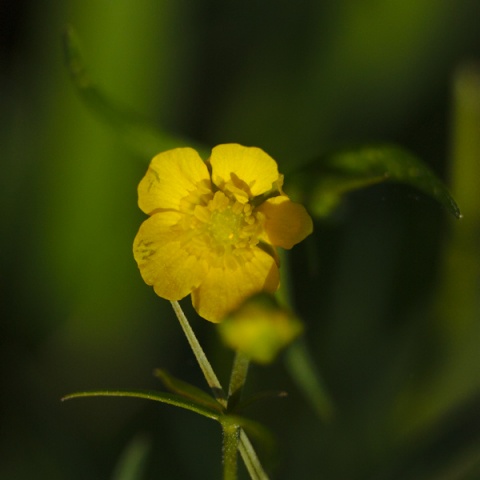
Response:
column 304, row 373
column 168, row 398
column 141, row 135
column 132, row 463
column 323, row 184
column 187, row 391
column 251, row 427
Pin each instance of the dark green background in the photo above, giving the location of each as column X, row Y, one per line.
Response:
column 392, row 325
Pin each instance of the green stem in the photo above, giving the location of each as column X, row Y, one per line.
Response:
column 250, row 458
column 230, row 446
column 245, row 447
column 202, row 359
column 237, row 379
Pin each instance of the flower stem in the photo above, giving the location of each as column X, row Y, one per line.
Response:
column 237, row 378
column 245, row 447
column 250, row 458
column 202, row 359
column 230, row 445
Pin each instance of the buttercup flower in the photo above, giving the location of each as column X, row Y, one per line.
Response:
column 214, row 226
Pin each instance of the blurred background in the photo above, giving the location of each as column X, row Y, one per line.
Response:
column 388, row 287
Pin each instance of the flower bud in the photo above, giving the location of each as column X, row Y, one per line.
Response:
column 260, row 328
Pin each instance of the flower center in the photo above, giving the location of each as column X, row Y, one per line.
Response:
column 226, row 228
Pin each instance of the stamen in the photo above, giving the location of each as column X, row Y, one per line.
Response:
column 222, row 226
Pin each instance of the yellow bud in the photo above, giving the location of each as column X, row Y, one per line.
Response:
column 260, row 328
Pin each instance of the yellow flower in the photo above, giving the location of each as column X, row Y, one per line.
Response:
column 214, row 226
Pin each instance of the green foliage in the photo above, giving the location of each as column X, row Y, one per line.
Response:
column 132, row 463
column 189, row 397
column 135, row 131
column 323, row 183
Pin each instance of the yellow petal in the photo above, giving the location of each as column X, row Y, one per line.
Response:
column 243, row 169
column 172, row 176
column 163, row 261
column 225, row 288
column 286, row 223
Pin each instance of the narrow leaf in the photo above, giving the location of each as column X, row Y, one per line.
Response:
column 304, row 373
column 323, row 184
column 187, row 391
column 168, row 398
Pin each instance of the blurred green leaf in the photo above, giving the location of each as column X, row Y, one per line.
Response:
column 453, row 375
column 132, row 462
column 323, row 184
column 188, row 391
column 141, row 135
column 305, row 374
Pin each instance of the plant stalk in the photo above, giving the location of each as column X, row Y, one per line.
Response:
column 231, row 433
column 245, row 447
column 237, row 379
